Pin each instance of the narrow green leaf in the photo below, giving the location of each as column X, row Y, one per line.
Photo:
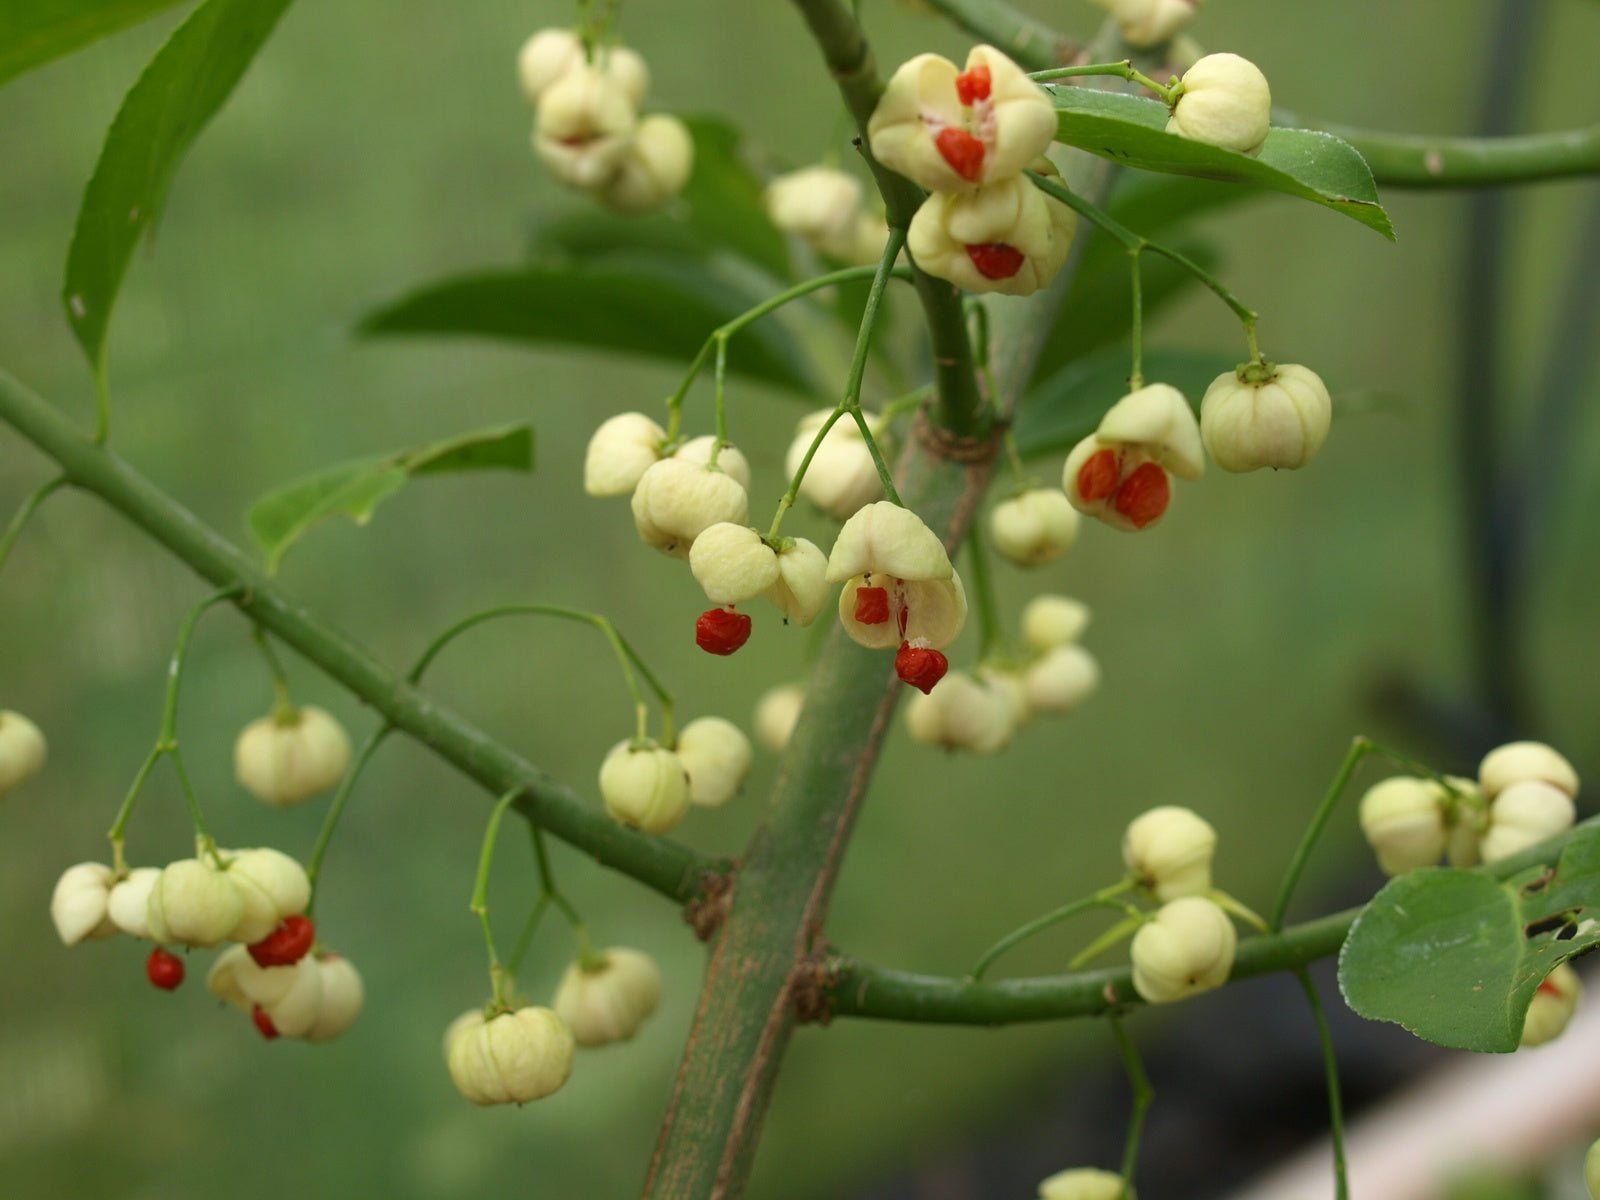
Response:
column 1456, row 956
column 179, row 92
column 1065, row 408
column 509, row 448
column 724, row 198
column 34, row 32
column 658, row 305
column 1308, row 163
column 355, row 489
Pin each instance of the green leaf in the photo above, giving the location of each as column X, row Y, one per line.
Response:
column 1308, row 163
column 724, row 198
column 33, row 32
column 1065, row 408
column 651, row 304
column 1456, row 956
column 355, row 489
column 179, row 92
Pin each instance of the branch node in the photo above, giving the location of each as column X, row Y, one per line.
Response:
column 954, row 447
column 812, row 985
column 709, row 909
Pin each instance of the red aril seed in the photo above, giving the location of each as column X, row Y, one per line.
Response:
column 996, row 260
column 285, row 945
column 1549, row 989
column 1098, row 477
column 721, row 630
column 973, row 85
column 1144, row 495
column 263, row 1022
column 872, row 605
column 920, row 666
column 164, row 969
column 962, row 151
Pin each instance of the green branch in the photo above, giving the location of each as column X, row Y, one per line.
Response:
column 856, row 989
column 844, row 48
column 1416, row 161
column 661, row 865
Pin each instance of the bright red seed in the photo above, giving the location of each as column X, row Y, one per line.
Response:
column 721, row 630
column 973, row 85
column 1549, row 989
column 920, row 666
column 164, row 969
column 1099, row 477
column 962, row 151
column 263, row 1022
column 1144, row 495
column 872, row 605
column 996, row 260
column 285, row 945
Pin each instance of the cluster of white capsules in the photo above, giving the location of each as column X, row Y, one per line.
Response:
column 967, row 135
column 588, row 130
column 1523, row 795
column 511, row 1055
column 276, row 972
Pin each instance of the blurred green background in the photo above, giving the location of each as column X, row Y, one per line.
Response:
column 374, row 147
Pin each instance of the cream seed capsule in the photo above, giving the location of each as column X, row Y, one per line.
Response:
column 1146, row 23
column 645, row 786
column 78, row 905
column 193, row 902
column 1035, row 527
column 717, row 756
column 1591, row 1171
column 1523, row 815
column 1007, row 237
column 676, row 501
column 962, row 713
column 22, row 750
column 1120, row 472
column 585, row 127
column 1186, row 948
column 881, row 612
column 272, row 885
column 1061, row 679
column 620, row 452
column 952, row 130
column 1551, row 1009
column 776, row 714
column 1170, row 849
column 343, row 997
column 729, row 458
column 732, row 563
column 1049, row 621
column 511, row 1057
column 1083, row 1183
column 546, row 57
column 817, row 204
column 888, row 539
column 1278, row 421
column 1403, row 819
column 1519, row 762
column 608, row 1003
column 657, row 165
column 842, row 478
column 801, row 588
column 283, row 760
column 1225, row 101
column 128, row 905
